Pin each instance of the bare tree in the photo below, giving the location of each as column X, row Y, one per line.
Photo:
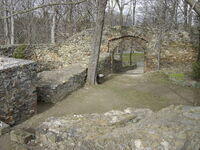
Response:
column 6, row 24
column 53, row 26
column 134, row 8
column 121, row 5
column 96, row 45
column 185, row 14
column 12, row 26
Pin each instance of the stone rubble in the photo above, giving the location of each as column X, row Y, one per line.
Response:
column 172, row 128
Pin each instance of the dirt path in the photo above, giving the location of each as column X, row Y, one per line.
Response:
column 118, row 92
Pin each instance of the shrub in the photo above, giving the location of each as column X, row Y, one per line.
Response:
column 19, row 52
column 196, row 71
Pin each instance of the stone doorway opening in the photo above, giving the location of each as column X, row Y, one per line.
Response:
column 130, row 52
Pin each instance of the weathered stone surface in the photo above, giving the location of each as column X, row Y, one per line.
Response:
column 17, row 146
column 18, row 96
column 176, row 48
column 54, row 85
column 21, row 136
column 172, row 128
column 4, row 128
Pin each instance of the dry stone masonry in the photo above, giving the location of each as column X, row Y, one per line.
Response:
column 18, row 98
column 176, row 48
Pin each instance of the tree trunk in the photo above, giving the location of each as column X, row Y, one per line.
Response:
column 12, row 25
column 71, row 20
column 134, row 7
column 190, row 18
column 121, row 21
column 96, row 45
column 6, row 24
column 185, row 15
column 176, row 14
column 53, row 27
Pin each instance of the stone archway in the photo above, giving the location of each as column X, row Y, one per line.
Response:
column 127, row 42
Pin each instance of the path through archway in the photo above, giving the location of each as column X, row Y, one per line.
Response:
column 130, row 51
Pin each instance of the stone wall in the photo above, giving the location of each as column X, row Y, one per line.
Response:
column 55, row 85
column 176, row 48
column 18, row 98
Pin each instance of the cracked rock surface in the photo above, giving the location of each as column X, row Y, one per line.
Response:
column 172, row 128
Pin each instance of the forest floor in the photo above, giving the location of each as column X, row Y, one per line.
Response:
column 119, row 91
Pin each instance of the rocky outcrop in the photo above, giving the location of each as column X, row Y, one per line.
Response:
column 18, row 98
column 54, row 85
column 172, row 128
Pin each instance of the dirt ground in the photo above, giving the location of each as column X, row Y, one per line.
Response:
column 152, row 91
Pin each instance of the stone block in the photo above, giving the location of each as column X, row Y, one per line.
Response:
column 18, row 98
column 20, row 136
column 4, row 128
column 54, row 85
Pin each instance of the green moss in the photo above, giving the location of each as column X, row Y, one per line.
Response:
column 19, row 52
column 177, row 76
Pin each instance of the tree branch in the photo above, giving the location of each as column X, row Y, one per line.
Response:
column 195, row 5
column 42, row 6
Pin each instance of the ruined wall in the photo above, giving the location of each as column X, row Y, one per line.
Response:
column 53, row 86
column 176, row 48
column 18, row 97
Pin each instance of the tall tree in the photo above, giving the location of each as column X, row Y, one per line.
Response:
column 134, row 8
column 196, row 6
column 12, row 24
column 96, row 45
column 121, row 5
column 53, row 26
column 185, row 14
column 6, row 23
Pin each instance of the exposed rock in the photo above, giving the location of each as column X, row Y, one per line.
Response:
column 172, row 128
column 21, row 136
column 4, row 128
